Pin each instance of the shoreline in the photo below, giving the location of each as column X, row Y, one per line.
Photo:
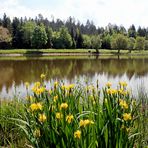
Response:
column 68, row 52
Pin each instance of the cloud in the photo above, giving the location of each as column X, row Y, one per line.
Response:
column 102, row 12
column 14, row 8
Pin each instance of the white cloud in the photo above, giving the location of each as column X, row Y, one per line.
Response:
column 101, row 12
column 13, row 8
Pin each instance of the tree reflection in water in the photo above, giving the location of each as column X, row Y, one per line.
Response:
column 17, row 71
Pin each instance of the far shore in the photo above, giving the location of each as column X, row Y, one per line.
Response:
column 65, row 52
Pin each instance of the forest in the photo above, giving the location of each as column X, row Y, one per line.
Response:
column 41, row 33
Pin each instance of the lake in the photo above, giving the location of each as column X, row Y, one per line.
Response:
column 14, row 71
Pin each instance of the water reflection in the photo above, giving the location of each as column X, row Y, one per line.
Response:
column 16, row 72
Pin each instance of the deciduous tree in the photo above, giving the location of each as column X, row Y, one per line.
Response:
column 140, row 43
column 39, row 37
column 86, row 41
column 27, row 30
column 96, row 42
column 119, row 42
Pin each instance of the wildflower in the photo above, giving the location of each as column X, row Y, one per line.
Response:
column 39, row 91
column 127, row 116
column 55, row 98
column 36, row 106
column 71, row 86
column 69, row 118
column 42, row 117
column 42, row 89
column 111, row 91
column 67, row 87
column 122, row 84
column 63, row 87
column 120, row 91
column 108, row 84
column 27, row 84
column 123, row 104
column 83, row 123
column 64, row 106
column 42, row 76
column 37, row 133
column 123, row 92
column 39, row 106
column 56, row 84
column 33, row 107
column 37, row 84
column 59, row 115
column 36, row 88
column 77, row 134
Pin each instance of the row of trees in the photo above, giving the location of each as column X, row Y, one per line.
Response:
column 42, row 33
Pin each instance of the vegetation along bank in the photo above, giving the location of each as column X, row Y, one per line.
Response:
column 40, row 33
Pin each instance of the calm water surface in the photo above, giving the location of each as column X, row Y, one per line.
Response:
column 15, row 71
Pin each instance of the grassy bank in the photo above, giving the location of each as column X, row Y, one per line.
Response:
column 75, row 115
column 69, row 51
column 41, row 51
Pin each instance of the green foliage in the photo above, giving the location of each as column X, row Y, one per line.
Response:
column 9, row 131
column 86, row 41
column 39, row 37
column 56, row 40
column 21, row 31
column 141, row 32
column 27, row 30
column 146, row 44
column 106, row 42
column 119, row 42
column 62, row 39
column 96, row 42
column 78, row 39
column 132, row 31
column 131, row 44
column 49, row 32
column 140, row 43
column 6, row 23
column 82, row 116
column 17, row 35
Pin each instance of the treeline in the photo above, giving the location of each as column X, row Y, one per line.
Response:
column 42, row 33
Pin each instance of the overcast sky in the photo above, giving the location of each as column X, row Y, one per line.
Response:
column 102, row 12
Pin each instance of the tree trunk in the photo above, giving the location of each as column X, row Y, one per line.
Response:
column 130, row 50
column 97, row 51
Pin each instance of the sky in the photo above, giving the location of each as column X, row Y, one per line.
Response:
column 101, row 12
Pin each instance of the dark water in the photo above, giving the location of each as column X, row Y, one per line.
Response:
column 15, row 71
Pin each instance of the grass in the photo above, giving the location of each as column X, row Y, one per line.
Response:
column 10, row 134
column 69, row 51
column 41, row 51
column 75, row 115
